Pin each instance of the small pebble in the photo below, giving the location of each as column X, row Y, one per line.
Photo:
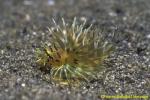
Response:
column 83, row 19
column 34, row 33
column 148, row 36
column 27, row 2
column 112, row 14
column 27, row 17
column 23, row 84
column 51, row 2
column 2, row 52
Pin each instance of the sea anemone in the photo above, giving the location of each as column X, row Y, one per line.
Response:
column 75, row 52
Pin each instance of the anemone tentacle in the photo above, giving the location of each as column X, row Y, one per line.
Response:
column 75, row 52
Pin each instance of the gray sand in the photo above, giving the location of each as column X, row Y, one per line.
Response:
column 23, row 27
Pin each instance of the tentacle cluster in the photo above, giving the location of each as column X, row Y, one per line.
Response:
column 75, row 53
